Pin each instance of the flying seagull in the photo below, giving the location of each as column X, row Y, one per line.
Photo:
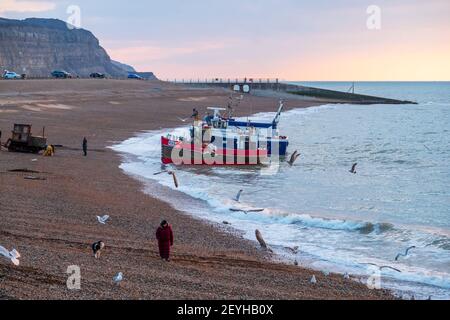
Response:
column 175, row 180
column 246, row 211
column 238, row 196
column 383, row 267
column 294, row 250
column 353, row 170
column 12, row 255
column 118, row 278
column 404, row 254
column 103, row 219
column 294, row 158
column 427, row 147
column 389, row 267
column 261, row 241
column 183, row 120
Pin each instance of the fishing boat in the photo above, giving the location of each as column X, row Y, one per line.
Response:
column 222, row 140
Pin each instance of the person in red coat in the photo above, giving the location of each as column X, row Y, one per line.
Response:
column 164, row 234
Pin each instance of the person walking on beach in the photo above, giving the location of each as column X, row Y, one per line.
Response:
column 195, row 115
column 164, row 235
column 85, row 146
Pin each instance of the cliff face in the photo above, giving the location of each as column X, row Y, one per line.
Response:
column 39, row 46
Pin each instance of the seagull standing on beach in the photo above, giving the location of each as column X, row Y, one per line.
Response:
column 353, row 170
column 238, row 196
column 313, row 280
column 12, row 255
column 404, row 254
column 103, row 219
column 118, row 278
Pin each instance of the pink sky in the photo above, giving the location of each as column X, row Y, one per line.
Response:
column 286, row 39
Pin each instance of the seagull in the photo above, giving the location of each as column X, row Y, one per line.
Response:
column 389, row 267
column 326, row 273
column 404, row 254
column 313, row 280
column 12, row 255
column 175, row 180
column 296, row 262
column 294, row 250
column 246, row 211
column 183, row 120
column 346, row 276
column 103, row 219
column 383, row 267
column 238, row 196
column 353, row 170
column 294, row 158
column 118, row 278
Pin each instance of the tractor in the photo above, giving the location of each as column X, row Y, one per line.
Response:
column 23, row 141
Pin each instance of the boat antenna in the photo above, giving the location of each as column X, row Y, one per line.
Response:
column 352, row 88
column 250, row 87
column 278, row 115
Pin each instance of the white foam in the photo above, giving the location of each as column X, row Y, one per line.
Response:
column 321, row 239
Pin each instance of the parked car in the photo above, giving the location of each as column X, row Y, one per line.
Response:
column 135, row 76
column 11, row 75
column 97, row 75
column 61, row 74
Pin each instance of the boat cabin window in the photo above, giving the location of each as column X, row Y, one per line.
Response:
column 219, row 124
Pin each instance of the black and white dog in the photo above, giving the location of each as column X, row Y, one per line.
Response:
column 97, row 248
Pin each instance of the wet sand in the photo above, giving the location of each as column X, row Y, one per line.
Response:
column 52, row 222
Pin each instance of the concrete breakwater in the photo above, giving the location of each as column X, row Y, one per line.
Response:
column 285, row 90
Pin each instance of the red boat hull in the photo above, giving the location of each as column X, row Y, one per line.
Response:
column 181, row 153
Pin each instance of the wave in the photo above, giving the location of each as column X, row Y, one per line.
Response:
column 336, row 224
column 312, row 229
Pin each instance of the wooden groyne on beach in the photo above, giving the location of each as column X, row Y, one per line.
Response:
column 286, row 89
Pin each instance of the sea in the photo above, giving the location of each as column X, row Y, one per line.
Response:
column 345, row 223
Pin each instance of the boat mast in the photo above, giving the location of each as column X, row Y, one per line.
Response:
column 276, row 120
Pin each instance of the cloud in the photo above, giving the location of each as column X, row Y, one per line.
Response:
column 25, row 6
column 138, row 53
